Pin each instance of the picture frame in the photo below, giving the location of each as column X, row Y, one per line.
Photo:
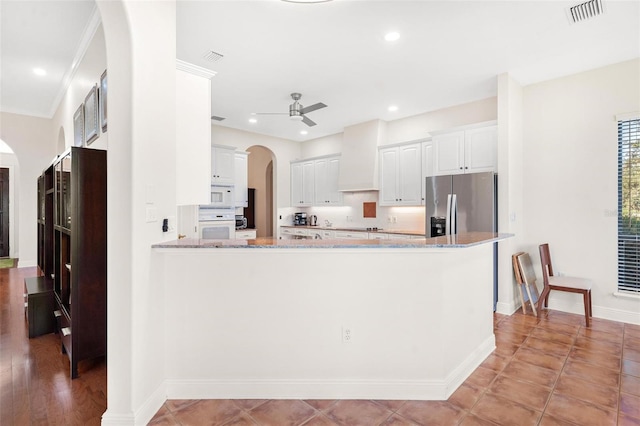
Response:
column 91, row 116
column 78, row 126
column 103, row 101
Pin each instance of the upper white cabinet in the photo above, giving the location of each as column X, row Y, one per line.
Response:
column 241, row 182
column 327, row 171
column 465, row 151
column 427, row 166
column 193, row 134
column 315, row 182
column 302, row 183
column 401, row 175
column 222, row 164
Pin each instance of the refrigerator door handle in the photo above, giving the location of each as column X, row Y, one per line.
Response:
column 447, row 228
column 454, row 214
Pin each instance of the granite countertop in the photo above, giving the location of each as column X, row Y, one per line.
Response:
column 356, row 229
column 450, row 241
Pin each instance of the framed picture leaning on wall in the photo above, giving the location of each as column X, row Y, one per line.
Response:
column 91, row 116
column 78, row 126
column 103, row 101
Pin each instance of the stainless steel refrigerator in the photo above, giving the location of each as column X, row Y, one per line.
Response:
column 461, row 203
column 464, row 203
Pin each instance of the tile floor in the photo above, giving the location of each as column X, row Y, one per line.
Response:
column 545, row 371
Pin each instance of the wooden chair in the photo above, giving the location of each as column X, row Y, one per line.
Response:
column 562, row 283
column 526, row 279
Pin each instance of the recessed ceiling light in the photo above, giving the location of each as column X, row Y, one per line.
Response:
column 392, row 36
column 393, row 108
column 253, row 120
column 39, row 71
column 303, row 132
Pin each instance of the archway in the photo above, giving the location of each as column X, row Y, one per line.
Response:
column 260, row 177
column 9, row 161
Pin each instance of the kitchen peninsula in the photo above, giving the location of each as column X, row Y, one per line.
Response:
column 315, row 319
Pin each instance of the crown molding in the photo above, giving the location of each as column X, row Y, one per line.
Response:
column 194, row 69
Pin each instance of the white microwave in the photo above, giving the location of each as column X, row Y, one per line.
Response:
column 222, row 196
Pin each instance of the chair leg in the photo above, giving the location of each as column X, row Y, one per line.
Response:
column 542, row 300
column 587, row 310
column 590, row 305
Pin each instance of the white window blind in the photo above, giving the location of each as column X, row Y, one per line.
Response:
column 629, row 205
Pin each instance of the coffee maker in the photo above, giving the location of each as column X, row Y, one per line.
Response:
column 300, row 219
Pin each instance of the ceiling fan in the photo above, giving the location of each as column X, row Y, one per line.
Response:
column 296, row 111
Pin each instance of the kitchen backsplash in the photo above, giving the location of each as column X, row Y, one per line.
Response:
column 350, row 214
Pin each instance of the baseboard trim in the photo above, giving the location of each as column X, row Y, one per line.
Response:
column 26, row 263
column 151, row 406
column 109, row 418
column 331, row 389
column 598, row 312
column 506, row 308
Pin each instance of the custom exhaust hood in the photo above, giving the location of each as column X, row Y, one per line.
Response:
column 359, row 158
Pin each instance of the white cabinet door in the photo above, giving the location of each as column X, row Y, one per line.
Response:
column 302, row 183
column 449, row 153
column 351, row 235
column 409, row 175
column 241, row 180
column 188, row 221
column 378, row 236
column 321, row 171
column 334, row 196
column 480, row 149
column 388, row 176
column 245, row 234
column 222, row 165
column 427, row 167
column 400, row 175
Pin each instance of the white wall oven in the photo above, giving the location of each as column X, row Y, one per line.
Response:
column 216, row 224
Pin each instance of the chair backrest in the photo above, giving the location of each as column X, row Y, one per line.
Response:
column 545, row 260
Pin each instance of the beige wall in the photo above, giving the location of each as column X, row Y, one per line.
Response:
column 570, row 178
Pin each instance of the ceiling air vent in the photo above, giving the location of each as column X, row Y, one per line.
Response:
column 212, row 56
column 216, row 118
column 584, row 11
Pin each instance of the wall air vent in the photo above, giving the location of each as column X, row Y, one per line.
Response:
column 212, row 56
column 585, row 11
column 216, row 118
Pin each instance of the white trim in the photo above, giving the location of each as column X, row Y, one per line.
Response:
column 619, row 315
column 628, row 116
column 30, row 263
column 425, row 390
column 465, row 127
column 151, row 406
column 626, row 295
column 194, row 69
column 506, row 308
column 87, row 36
column 109, row 418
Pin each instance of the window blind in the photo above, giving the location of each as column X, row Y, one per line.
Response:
column 629, row 205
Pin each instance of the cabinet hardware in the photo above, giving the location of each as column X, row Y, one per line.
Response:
column 66, row 331
column 57, row 313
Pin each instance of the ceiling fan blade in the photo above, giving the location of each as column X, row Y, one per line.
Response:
column 306, row 120
column 269, row 113
column 312, row 108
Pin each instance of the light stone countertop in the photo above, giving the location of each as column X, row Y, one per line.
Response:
column 451, row 241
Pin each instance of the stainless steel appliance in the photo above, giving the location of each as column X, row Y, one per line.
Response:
column 222, row 196
column 300, row 219
column 216, row 224
column 461, row 203
column 241, row 221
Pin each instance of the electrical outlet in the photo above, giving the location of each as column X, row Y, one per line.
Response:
column 388, row 219
column 394, row 219
column 347, row 334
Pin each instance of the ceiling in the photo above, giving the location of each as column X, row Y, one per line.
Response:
column 449, row 52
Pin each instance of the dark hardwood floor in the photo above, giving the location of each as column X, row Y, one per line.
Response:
column 35, row 387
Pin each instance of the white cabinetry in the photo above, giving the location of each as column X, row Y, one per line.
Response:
column 351, row 235
column 222, row 165
column 400, row 175
column 245, row 234
column 327, row 171
column 302, row 183
column 241, row 181
column 465, row 151
column 427, row 166
column 193, row 134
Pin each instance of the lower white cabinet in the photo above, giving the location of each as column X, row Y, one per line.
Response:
column 351, row 235
column 245, row 234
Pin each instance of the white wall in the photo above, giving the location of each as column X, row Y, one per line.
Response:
column 570, row 179
column 31, row 141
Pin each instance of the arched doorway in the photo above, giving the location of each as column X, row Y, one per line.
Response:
column 260, row 178
column 9, row 169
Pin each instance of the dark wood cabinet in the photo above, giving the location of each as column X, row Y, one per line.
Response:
column 73, row 236
column 39, row 305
